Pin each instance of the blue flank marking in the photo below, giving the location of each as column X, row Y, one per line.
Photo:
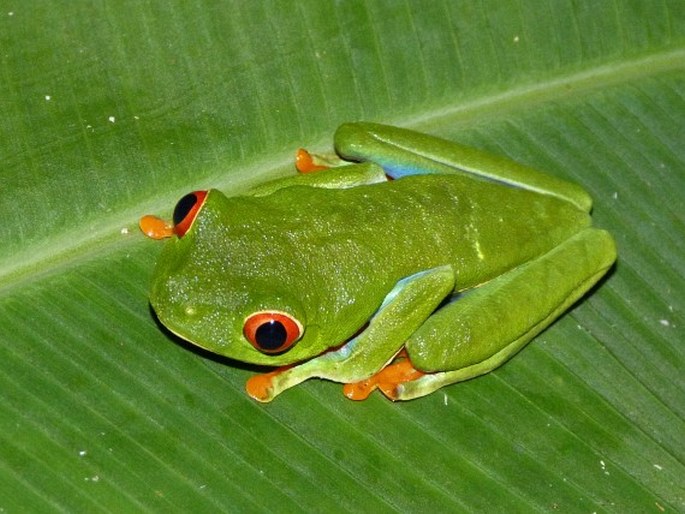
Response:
column 396, row 171
column 399, row 171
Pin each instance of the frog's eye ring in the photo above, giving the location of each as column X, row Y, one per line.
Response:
column 272, row 331
column 186, row 211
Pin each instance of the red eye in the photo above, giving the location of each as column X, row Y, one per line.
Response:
column 186, row 210
column 272, row 331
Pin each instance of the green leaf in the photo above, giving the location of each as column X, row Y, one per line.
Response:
column 111, row 110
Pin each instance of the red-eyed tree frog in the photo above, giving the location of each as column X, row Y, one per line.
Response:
column 410, row 264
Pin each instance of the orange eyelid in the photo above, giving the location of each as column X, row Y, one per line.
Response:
column 293, row 329
column 184, row 225
column 155, row 228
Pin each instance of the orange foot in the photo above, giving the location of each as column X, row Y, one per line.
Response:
column 259, row 386
column 387, row 380
column 155, row 228
column 304, row 162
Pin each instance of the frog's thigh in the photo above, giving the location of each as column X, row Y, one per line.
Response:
column 404, row 152
column 486, row 327
column 404, row 309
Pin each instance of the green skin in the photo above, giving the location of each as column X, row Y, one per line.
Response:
column 345, row 247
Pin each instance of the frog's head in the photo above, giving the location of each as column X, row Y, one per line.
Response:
column 210, row 286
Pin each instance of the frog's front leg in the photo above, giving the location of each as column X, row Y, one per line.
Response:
column 341, row 177
column 404, row 309
column 487, row 326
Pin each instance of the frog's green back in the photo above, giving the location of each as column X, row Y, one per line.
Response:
column 330, row 256
column 479, row 227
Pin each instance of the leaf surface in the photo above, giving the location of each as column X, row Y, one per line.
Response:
column 111, row 110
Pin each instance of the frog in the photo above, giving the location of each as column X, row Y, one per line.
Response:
column 403, row 263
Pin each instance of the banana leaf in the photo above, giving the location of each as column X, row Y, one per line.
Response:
column 112, row 110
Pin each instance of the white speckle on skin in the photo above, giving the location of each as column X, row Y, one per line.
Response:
column 665, row 322
column 472, row 234
column 516, row 39
column 658, row 468
column 124, row 231
column 48, row 98
column 82, row 453
column 111, row 119
column 479, row 252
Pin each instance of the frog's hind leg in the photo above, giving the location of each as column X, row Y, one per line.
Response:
column 487, row 326
column 403, row 152
column 388, row 379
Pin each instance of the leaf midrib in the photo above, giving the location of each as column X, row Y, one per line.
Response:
column 68, row 249
column 569, row 85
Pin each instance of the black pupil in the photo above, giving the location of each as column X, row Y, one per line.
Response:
column 271, row 335
column 183, row 207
